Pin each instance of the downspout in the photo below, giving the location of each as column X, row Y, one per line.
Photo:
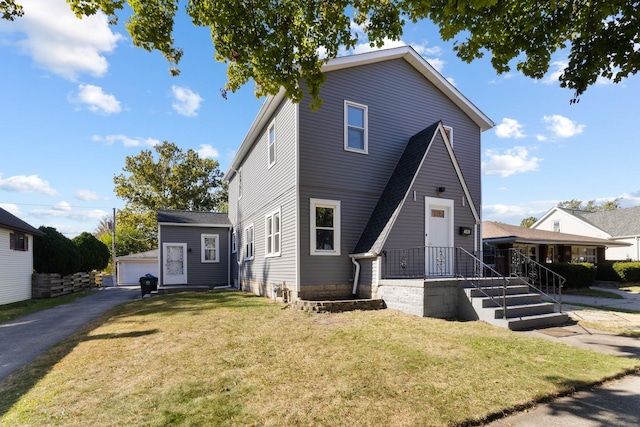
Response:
column 356, row 276
column 229, row 256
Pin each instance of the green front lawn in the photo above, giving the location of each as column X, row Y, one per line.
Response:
column 234, row 359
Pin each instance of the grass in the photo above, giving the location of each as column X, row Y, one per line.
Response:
column 588, row 292
column 233, row 359
column 21, row 308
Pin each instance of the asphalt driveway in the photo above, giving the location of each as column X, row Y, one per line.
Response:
column 25, row 338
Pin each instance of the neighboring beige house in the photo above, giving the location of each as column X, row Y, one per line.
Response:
column 16, row 258
column 620, row 225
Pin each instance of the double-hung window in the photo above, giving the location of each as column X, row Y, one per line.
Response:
column 210, row 247
column 325, row 227
column 272, row 234
column 248, row 242
column 18, row 242
column 234, row 242
column 239, row 183
column 355, row 127
column 271, row 141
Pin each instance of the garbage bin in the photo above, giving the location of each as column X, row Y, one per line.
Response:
column 148, row 283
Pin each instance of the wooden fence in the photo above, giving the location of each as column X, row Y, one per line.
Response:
column 54, row 285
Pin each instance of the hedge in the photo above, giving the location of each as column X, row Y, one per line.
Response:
column 578, row 274
column 628, row 271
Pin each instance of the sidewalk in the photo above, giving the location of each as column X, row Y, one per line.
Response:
column 25, row 338
column 615, row 403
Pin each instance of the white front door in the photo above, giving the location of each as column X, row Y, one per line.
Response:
column 438, row 238
column 174, row 262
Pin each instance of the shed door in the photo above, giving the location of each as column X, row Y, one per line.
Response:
column 174, row 262
column 438, row 239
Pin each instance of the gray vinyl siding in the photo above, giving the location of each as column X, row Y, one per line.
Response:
column 401, row 102
column 264, row 191
column 199, row 273
column 437, row 171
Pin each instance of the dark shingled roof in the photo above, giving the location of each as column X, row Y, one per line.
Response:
column 12, row 222
column 193, row 217
column 505, row 233
column 395, row 191
column 618, row 222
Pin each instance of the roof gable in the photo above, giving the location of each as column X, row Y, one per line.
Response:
column 407, row 53
column 618, row 222
column 395, row 192
column 12, row 222
column 193, row 218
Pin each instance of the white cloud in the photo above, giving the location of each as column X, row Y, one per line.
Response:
column 11, row 208
column 61, row 43
column 27, row 184
column 187, row 102
column 556, row 68
column 512, row 161
column 126, row 141
column 514, row 214
column 509, row 128
column 65, row 210
column 97, row 100
column 206, row 150
column 562, row 127
column 86, row 195
column 541, row 137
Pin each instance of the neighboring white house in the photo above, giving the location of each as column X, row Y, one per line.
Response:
column 132, row 267
column 622, row 225
column 16, row 258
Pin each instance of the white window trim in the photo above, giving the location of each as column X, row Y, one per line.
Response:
column 271, row 161
column 450, row 129
column 335, row 204
column 271, row 216
column 248, row 257
column 203, row 248
column 348, row 104
column 239, row 183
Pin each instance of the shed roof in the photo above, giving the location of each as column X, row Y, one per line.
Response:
column 151, row 255
column 12, row 222
column 495, row 232
column 178, row 217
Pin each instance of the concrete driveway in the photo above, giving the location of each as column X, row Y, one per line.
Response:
column 25, row 338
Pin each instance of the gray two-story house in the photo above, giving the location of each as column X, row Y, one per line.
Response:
column 321, row 203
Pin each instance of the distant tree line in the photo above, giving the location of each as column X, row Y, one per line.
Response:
column 578, row 205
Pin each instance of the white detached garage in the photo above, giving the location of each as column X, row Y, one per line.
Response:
column 132, row 267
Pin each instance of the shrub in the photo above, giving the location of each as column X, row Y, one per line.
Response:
column 628, row 271
column 55, row 253
column 94, row 255
column 606, row 272
column 578, row 274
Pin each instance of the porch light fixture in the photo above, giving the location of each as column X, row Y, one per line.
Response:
column 440, row 190
column 465, row 231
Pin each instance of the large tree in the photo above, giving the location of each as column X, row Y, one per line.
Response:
column 165, row 178
column 276, row 43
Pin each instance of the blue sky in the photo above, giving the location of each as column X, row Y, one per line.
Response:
column 78, row 97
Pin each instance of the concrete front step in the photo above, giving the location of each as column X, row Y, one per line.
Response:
column 525, row 310
column 497, row 290
column 511, row 300
column 538, row 321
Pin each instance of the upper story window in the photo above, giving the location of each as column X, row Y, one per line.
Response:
column 325, row 227
column 239, row 183
column 355, row 127
column 210, row 245
column 18, row 242
column 448, row 130
column 271, row 141
column 556, row 226
column 248, row 242
column 272, row 234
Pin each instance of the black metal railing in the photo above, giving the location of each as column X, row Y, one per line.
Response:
column 542, row 279
column 422, row 262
